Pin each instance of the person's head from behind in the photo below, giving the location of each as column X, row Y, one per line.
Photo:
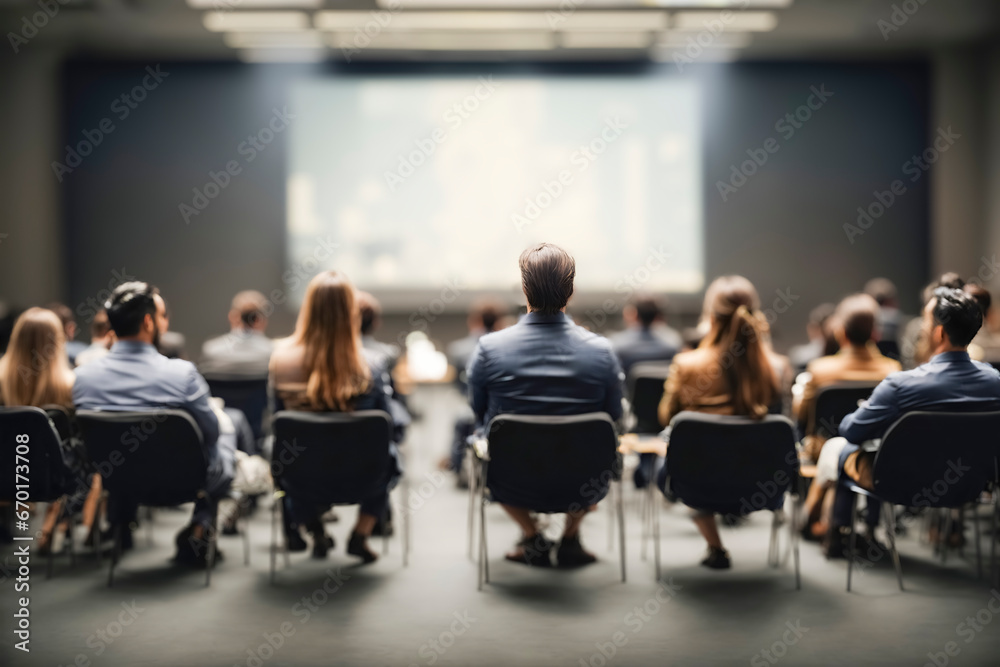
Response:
column 486, row 316
column 642, row 310
column 248, row 311
column 100, row 328
column 738, row 330
column 950, row 279
column 547, row 275
column 329, row 330
column 35, row 370
column 818, row 326
column 137, row 312
column 883, row 291
column 855, row 320
column 65, row 316
column 370, row 311
column 951, row 319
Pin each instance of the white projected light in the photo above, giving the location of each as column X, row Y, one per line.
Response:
column 427, row 183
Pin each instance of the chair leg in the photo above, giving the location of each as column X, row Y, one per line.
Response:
column 212, row 537
column 116, row 551
column 621, row 526
column 246, row 539
column 656, row 536
column 484, row 567
column 274, row 537
column 793, row 537
column 95, row 528
column 975, row 527
column 473, row 483
column 772, row 550
column 996, row 535
column 385, row 531
column 644, row 522
column 611, row 525
column 72, row 539
column 943, row 539
column 853, row 553
column 405, row 524
column 890, row 530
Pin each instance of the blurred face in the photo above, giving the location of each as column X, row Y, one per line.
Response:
column 160, row 321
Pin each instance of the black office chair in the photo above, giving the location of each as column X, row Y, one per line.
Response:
column 550, row 465
column 32, row 469
column 645, row 389
column 248, row 396
column 735, row 466
column 889, row 348
column 834, row 402
column 333, row 458
column 920, row 452
column 152, row 458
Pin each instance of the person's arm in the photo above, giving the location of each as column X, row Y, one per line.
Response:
column 613, row 389
column 802, row 403
column 476, row 377
column 670, row 404
column 875, row 415
column 196, row 403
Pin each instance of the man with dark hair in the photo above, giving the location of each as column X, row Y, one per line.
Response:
column 646, row 336
column 371, row 320
column 73, row 346
column 135, row 376
column 951, row 319
column 545, row 365
column 914, row 349
column 244, row 352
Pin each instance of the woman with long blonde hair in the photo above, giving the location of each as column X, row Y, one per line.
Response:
column 731, row 372
column 35, row 372
column 322, row 367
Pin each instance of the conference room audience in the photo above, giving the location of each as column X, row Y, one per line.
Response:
column 244, row 352
column 950, row 380
column 73, row 346
column 730, row 373
column 35, row 372
column 646, row 336
column 101, row 339
column 134, row 376
column 323, row 367
column 545, row 365
column 859, row 360
column 822, row 341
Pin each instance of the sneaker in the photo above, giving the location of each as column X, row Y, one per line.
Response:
column 572, row 554
column 535, row 551
column 358, row 546
column 717, row 559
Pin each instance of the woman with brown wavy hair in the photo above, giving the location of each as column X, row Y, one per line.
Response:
column 322, row 367
column 730, row 373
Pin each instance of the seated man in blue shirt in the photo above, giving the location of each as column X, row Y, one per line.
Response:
column 545, row 365
column 135, row 377
column 949, row 381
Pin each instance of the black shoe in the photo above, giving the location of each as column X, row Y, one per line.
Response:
column 572, row 554
column 717, row 559
column 358, row 546
column 294, row 541
column 534, row 551
column 194, row 550
column 321, row 545
column 109, row 536
column 837, row 543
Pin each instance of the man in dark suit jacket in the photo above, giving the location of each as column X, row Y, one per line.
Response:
column 545, row 365
column 949, row 381
column 646, row 336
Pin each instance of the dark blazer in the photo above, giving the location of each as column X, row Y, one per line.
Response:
column 636, row 344
column 544, row 365
column 949, row 381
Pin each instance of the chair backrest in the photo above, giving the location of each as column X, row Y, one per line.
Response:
column 46, row 474
column 248, row 396
column 731, row 465
column 331, row 457
column 61, row 419
column 645, row 387
column 836, row 401
column 937, row 459
column 551, row 464
column 152, row 457
column 889, row 348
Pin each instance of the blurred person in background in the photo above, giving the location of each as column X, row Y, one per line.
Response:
column 73, row 347
column 323, row 367
column 646, row 336
column 701, row 380
column 371, row 321
column 890, row 320
column 822, row 341
column 859, row 360
column 986, row 345
column 35, row 372
column 101, row 339
column 244, row 352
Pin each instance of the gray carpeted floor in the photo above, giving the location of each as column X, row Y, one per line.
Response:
column 430, row 613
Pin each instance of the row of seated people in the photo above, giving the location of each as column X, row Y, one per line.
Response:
column 545, row 364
